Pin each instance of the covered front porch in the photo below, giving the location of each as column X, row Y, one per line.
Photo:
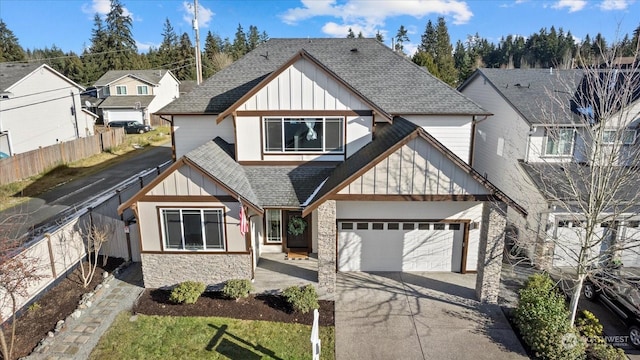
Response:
column 275, row 272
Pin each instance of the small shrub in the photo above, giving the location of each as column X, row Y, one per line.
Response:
column 303, row 299
column 187, row 292
column 237, row 288
column 34, row 307
column 597, row 349
column 605, row 352
column 543, row 321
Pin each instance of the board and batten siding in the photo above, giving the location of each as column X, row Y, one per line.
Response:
column 416, row 168
column 419, row 210
column 454, row 132
column 187, row 181
column 191, row 131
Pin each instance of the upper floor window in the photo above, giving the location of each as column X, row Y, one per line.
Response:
column 628, row 137
column 121, row 90
column 143, row 90
column 313, row 134
column 559, row 142
column 193, row 229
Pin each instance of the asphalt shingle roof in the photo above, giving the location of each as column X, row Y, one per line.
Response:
column 286, row 186
column 536, row 93
column 150, row 76
column 10, row 73
column 388, row 80
column 119, row 101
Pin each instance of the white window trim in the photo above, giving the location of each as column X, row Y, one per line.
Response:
column 121, row 87
column 546, row 139
column 266, row 238
column 142, row 87
column 324, row 122
column 635, row 136
column 204, row 236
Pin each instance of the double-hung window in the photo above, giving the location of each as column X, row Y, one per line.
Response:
column 308, row 134
column 610, row 137
column 121, row 90
column 559, row 142
column 193, row 229
column 143, row 90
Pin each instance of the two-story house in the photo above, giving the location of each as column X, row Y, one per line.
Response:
column 540, row 147
column 135, row 94
column 39, row 107
column 338, row 147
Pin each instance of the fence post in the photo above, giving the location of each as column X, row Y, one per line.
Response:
column 51, row 258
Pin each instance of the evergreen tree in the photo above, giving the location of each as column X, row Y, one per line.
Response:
column 253, row 39
column 350, row 34
column 184, row 68
column 122, row 47
column 239, row 46
column 429, row 40
column 444, row 54
column 167, row 50
column 463, row 62
column 10, row 49
column 93, row 57
column 360, row 36
column 401, row 38
column 379, row 36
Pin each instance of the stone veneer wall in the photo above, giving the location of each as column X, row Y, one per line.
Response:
column 327, row 246
column 161, row 270
column 491, row 251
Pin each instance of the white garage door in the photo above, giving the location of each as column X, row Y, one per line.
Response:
column 631, row 234
column 399, row 246
column 124, row 115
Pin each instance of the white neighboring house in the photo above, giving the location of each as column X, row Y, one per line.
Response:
column 39, row 107
column 135, row 94
column 513, row 149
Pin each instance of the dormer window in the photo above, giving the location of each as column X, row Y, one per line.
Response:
column 308, row 134
column 143, row 90
column 610, row 137
column 559, row 142
column 121, row 90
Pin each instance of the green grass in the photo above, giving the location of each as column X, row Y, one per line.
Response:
column 20, row 191
column 167, row 337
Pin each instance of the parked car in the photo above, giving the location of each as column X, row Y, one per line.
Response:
column 131, row 127
column 621, row 294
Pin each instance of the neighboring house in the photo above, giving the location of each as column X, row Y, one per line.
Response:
column 135, row 94
column 39, row 107
column 339, row 147
column 536, row 130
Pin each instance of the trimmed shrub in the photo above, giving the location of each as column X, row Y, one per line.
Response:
column 237, row 288
column 187, row 292
column 303, row 299
column 543, row 321
column 597, row 349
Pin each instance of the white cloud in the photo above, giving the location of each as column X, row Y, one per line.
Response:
column 615, row 4
column 573, row 5
column 204, row 14
column 102, row 7
column 368, row 18
column 144, row 47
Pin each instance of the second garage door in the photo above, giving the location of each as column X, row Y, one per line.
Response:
column 399, row 246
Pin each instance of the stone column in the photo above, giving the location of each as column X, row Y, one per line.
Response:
column 327, row 247
column 490, row 251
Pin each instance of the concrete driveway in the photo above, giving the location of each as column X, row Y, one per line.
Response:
column 418, row 316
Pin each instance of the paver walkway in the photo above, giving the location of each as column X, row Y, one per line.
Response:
column 79, row 336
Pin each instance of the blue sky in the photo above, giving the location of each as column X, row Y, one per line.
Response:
column 68, row 23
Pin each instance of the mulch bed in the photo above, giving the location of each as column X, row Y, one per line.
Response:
column 255, row 307
column 56, row 304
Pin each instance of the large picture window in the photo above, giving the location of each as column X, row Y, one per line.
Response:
column 559, row 142
column 317, row 134
column 193, row 229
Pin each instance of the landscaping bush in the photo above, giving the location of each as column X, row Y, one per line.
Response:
column 543, row 321
column 237, row 288
column 591, row 330
column 187, row 292
column 303, row 299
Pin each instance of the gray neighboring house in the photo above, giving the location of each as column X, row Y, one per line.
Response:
column 338, row 147
column 135, row 95
column 514, row 149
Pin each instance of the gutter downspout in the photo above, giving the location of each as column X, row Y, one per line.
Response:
column 532, row 131
column 173, row 137
column 75, row 114
column 474, row 122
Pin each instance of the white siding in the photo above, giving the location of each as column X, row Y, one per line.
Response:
column 168, row 89
column 187, row 181
column 249, row 141
column 39, row 112
column 192, row 131
column 454, row 132
column 358, row 133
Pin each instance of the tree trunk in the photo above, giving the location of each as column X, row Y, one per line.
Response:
column 575, row 297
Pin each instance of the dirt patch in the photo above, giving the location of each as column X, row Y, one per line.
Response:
column 56, row 304
column 255, row 307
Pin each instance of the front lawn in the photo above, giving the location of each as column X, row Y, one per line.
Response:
column 169, row 337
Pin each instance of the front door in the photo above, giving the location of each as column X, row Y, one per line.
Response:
column 296, row 231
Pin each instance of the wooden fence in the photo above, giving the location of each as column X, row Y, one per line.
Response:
column 22, row 166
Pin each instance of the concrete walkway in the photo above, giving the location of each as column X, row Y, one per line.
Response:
column 80, row 335
column 418, row 316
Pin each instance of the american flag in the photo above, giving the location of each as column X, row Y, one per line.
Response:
column 244, row 224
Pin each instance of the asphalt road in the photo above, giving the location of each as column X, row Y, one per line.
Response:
column 20, row 219
column 613, row 327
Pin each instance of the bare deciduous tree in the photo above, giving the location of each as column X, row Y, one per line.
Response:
column 95, row 236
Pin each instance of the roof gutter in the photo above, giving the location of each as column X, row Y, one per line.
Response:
column 472, row 146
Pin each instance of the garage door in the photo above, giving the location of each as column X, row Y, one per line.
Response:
column 124, row 115
column 399, row 246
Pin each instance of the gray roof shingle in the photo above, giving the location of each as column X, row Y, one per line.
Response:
column 118, row 101
column 11, row 73
column 286, row 186
column 388, row 80
column 150, row 76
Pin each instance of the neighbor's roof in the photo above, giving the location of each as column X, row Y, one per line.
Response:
column 150, row 76
column 535, row 93
column 381, row 76
column 128, row 101
column 11, row 73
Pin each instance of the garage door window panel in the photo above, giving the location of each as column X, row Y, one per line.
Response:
column 393, row 226
column 362, row 226
column 438, row 226
column 347, row 226
column 377, row 226
column 408, row 226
